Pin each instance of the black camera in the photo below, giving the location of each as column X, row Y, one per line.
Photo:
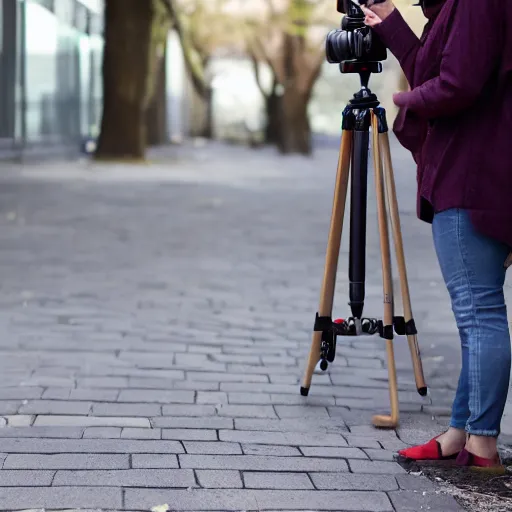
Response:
column 355, row 46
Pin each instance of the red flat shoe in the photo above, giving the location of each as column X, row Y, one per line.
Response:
column 468, row 459
column 428, row 451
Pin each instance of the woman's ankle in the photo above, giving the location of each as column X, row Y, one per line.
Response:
column 483, row 446
column 452, row 441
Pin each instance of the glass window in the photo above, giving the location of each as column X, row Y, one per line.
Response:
column 41, row 43
column 97, row 83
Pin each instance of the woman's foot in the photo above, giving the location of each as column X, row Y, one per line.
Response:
column 445, row 446
column 481, row 453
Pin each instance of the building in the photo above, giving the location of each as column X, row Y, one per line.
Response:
column 50, row 75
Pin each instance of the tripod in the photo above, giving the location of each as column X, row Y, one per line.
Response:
column 361, row 113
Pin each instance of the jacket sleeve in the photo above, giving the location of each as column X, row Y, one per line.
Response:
column 469, row 58
column 403, row 43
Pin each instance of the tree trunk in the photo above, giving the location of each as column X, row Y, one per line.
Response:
column 133, row 29
column 207, row 97
column 156, row 118
column 273, row 107
column 295, row 128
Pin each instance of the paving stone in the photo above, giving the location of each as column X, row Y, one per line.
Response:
column 264, row 480
column 192, row 423
column 259, row 463
column 249, row 398
column 91, row 421
column 18, row 478
column 393, row 445
column 375, row 454
column 188, row 410
column 55, row 407
column 313, row 401
column 246, row 499
column 247, row 411
column 381, row 467
column 135, row 409
column 292, row 411
column 212, row 397
column 282, row 438
column 66, row 461
column 158, row 396
column 259, row 387
column 212, row 447
column 103, row 382
column 161, row 383
column 353, row 482
column 238, row 358
column 273, row 450
column 414, row 483
column 146, row 461
column 141, row 433
column 21, row 393
column 361, row 441
column 413, row 501
column 58, row 498
column 95, row 395
column 167, row 478
column 321, row 425
column 89, row 446
column 190, row 434
column 218, row 479
column 53, row 432
column 19, row 421
column 359, row 362
column 103, row 433
column 226, row 377
column 9, row 407
column 332, row 452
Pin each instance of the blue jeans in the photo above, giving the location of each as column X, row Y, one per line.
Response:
column 473, row 269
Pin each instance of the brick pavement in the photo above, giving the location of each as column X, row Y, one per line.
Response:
column 156, row 320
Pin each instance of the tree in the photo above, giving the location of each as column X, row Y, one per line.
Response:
column 134, row 34
column 288, row 40
column 156, row 116
column 273, row 104
column 203, row 28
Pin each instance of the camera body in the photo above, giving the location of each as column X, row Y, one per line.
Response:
column 354, row 46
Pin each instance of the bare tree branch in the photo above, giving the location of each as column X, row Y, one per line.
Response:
column 193, row 67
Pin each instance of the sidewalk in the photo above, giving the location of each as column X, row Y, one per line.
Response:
column 156, row 320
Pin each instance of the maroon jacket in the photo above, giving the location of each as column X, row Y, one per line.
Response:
column 457, row 119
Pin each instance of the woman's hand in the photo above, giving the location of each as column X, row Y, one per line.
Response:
column 377, row 13
column 399, row 99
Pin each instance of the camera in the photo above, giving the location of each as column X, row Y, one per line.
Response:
column 354, row 46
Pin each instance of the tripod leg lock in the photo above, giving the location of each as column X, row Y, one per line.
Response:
column 322, row 323
column 403, row 328
column 385, row 331
column 380, row 113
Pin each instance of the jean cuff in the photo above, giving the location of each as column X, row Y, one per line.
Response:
column 457, row 425
column 483, row 433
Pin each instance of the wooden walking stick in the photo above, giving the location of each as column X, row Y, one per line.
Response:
column 387, row 282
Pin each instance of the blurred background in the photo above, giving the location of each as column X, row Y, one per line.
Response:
column 251, row 73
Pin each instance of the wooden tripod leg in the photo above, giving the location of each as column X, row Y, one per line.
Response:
column 387, row 281
column 333, row 250
column 402, row 269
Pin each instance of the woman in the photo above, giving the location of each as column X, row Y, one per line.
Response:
column 456, row 119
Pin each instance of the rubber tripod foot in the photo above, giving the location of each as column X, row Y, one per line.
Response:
column 304, row 391
column 423, row 391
